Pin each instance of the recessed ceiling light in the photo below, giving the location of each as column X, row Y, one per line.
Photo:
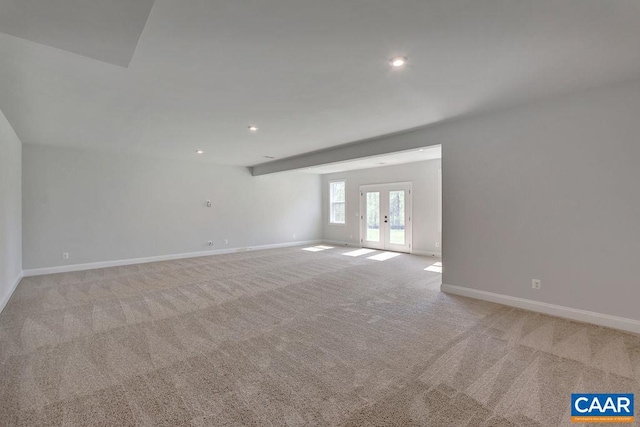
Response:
column 253, row 128
column 199, row 152
column 398, row 61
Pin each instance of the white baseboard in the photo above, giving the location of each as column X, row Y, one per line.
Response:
column 122, row 262
column 622, row 323
column 337, row 243
column 427, row 253
column 358, row 245
column 6, row 299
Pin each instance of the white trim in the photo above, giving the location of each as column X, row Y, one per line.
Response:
column 427, row 253
column 122, row 262
column 359, row 245
column 600, row 319
column 338, row 243
column 384, row 184
column 440, row 200
column 6, row 299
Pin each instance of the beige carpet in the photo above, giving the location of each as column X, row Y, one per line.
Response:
column 291, row 337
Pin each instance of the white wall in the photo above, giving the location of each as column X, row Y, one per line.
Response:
column 426, row 192
column 104, row 207
column 10, row 210
column 548, row 191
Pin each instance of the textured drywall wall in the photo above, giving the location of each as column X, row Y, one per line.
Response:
column 549, row 191
column 103, row 207
column 10, row 209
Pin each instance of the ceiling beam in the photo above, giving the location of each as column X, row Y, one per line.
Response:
column 385, row 144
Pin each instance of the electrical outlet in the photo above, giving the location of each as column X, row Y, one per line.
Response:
column 226, row 241
column 437, row 244
column 210, row 243
column 536, row 284
column 294, row 236
column 65, row 255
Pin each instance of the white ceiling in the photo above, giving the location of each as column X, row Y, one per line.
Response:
column 104, row 30
column 311, row 74
column 411, row 156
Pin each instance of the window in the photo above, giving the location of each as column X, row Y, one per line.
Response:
column 337, row 202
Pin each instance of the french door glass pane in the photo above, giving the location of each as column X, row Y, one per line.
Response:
column 373, row 217
column 396, row 217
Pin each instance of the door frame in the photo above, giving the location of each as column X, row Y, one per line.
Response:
column 388, row 186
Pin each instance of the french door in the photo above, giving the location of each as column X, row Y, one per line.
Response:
column 385, row 216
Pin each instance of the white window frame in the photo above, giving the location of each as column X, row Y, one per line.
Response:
column 340, row 224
